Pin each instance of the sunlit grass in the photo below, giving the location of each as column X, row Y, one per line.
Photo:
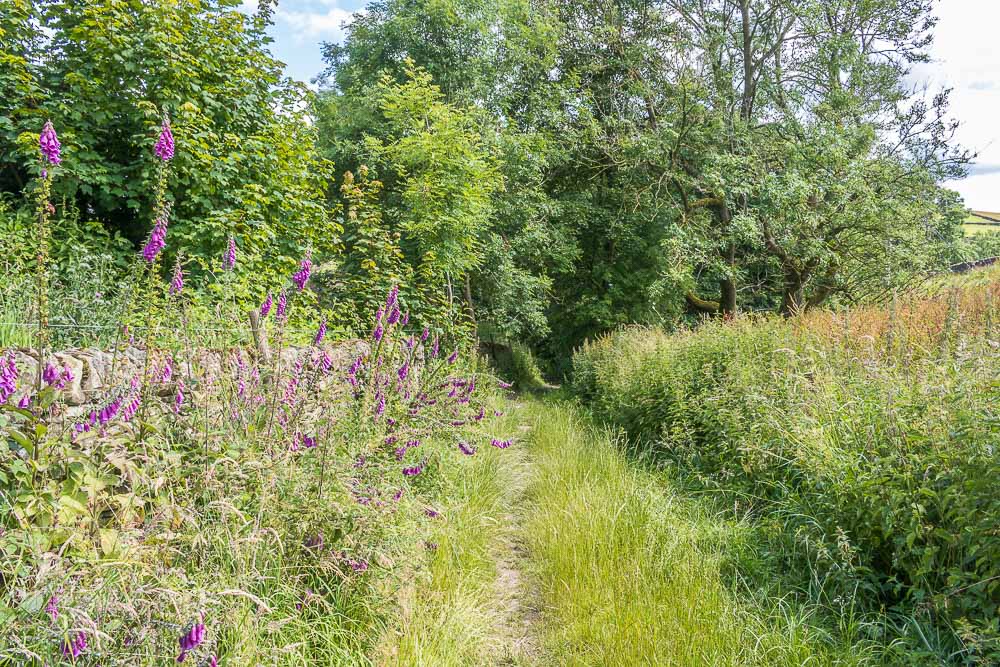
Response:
column 629, row 572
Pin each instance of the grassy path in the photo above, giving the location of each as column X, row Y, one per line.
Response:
column 560, row 551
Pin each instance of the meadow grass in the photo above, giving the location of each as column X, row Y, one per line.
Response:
column 453, row 613
column 629, row 572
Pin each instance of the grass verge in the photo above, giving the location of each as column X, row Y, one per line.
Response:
column 629, row 572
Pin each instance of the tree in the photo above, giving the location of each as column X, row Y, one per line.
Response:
column 245, row 165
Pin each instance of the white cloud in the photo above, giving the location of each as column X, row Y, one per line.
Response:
column 328, row 24
column 966, row 60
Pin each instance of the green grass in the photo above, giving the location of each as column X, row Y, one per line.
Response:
column 629, row 572
column 450, row 616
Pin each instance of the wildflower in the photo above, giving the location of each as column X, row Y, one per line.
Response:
column 314, row 542
column 458, row 422
column 504, row 385
column 25, row 402
column 74, row 647
column 431, row 512
column 282, row 309
column 413, row 471
column 412, row 444
column 48, row 142
column 212, row 662
column 405, row 319
column 501, row 444
column 393, row 316
column 360, row 462
column 321, row 333
column 52, row 607
column 50, row 375
column 453, row 357
column 190, row 640
column 393, row 297
column 400, row 453
column 377, row 334
column 177, row 283
column 133, row 406
column 481, row 414
column 497, row 413
column 425, row 335
column 164, row 148
column 359, row 565
column 229, row 258
column 179, row 397
column 403, row 371
column 302, row 275
column 326, row 362
column 265, row 307
column 430, row 546
column 379, row 406
column 167, row 372
column 157, row 240
column 436, row 348
column 8, row 376
column 399, row 494
column 466, row 449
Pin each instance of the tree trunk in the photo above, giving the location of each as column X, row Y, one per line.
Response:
column 793, row 301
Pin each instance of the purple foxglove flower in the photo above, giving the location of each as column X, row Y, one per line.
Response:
column 481, row 414
column 326, row 363
column 390, row 301
column 25, row 402
column 425, row 335
column 501, row 444
column 431, row 512
column 282, row 309
column 379, row 406
column 377, row 334
column 400, row 453
column 505, row 385
column 74, row 647
column 65, row 377
column 265, row 307
column 301, row 276
column 52, row 607
column 229, row 258
column 164, row 148
column 412, row 444
column 403, row 371
column 378, row 315
column 157, row 240
column 413, row 471
column 212, row 662
column 466, row 449
column 359, row 565
column 179, row 397
column 177, row 283
column 320, row 334
column 396, row 496
column 48, row 142
column 8, row 376
column 50, row 375
column 167, row 372
column 497, row 413
column 436, row 348
column 405, row 319
column 453, row 357
column 393, row 316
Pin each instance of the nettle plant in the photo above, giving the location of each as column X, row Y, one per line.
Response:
column 327, row 441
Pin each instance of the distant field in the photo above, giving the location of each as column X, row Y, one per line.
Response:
column 981, row 222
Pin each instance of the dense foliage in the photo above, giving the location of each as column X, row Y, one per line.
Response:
column 863, row 443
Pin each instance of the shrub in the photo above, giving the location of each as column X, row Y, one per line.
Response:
column 866, row 440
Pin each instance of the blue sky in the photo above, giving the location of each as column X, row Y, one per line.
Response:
column 964, row 55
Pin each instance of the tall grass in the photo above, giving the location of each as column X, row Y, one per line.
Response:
column 630, row 573
column 453, row 614
column 862, row 444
